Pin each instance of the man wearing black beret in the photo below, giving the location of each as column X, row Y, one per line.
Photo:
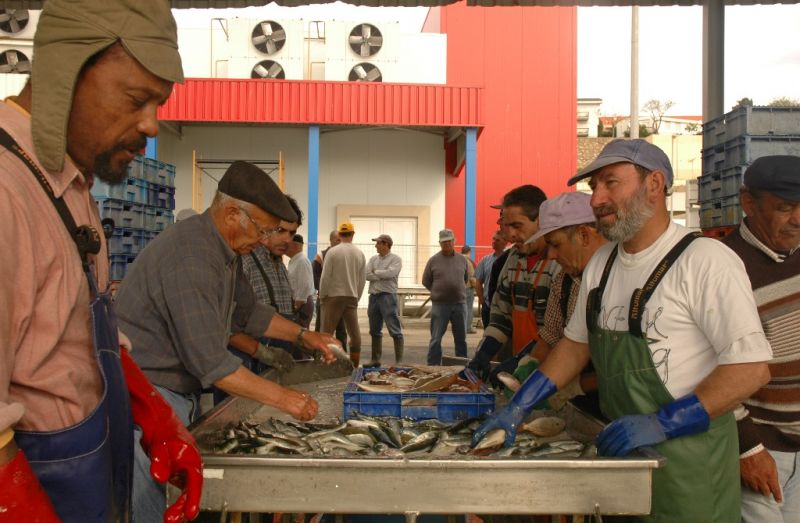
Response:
column 186, row 292
column 769, row 421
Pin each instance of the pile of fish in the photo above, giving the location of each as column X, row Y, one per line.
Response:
column 418, row 378
column 390, row 437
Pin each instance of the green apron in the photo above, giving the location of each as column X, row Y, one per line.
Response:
column 700, row 481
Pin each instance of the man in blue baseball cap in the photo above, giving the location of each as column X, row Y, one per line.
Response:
column 767, row 241
column 673, row 332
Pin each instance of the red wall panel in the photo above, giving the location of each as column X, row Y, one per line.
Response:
column 525, row 58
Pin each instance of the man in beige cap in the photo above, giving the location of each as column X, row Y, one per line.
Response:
column 69, row 395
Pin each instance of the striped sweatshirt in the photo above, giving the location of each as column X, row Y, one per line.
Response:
column 771, row 417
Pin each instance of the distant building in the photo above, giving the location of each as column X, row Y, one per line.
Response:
column 670, row 125
column 588, row 116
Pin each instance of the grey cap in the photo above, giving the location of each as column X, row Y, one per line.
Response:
column 384, row 238
column 779, row 175
column 639, row 152
column 565, row 210
column 244, row 181
column 446, row 235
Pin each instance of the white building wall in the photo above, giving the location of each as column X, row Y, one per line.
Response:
column 357, row 167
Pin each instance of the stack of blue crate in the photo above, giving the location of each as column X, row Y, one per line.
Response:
column 141, row 207
column 731, row 143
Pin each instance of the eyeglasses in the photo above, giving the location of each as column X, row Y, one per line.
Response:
column 262, row 233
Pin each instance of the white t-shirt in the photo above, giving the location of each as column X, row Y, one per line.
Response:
column 701, row 315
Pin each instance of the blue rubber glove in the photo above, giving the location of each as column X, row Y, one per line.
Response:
column 682, row 417
column 537, row 388
column 481, row 363
column 510, row 365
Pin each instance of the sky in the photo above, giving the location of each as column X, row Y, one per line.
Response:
column 762, row 49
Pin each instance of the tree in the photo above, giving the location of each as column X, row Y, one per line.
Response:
column 657, row 109
column 744, row 102
column 644, row 132
column 693, row 128
column 784, row 101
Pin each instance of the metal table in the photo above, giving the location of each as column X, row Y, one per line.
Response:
column 413, row 486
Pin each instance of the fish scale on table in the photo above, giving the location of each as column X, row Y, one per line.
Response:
column 370, row 436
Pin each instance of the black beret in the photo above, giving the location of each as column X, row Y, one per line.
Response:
column 298, row 238
column 244, row 181
column 779, row 175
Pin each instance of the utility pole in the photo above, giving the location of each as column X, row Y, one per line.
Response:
column 635, row 71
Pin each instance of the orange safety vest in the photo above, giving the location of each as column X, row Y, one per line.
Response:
column 523, row 323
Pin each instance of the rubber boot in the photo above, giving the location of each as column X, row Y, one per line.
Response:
column 355, row 357
column 398, row 350
column 377, row 351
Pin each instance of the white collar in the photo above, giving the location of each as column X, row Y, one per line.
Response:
column 750, row 238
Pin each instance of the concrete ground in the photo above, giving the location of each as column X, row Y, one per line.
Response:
column 417, row 334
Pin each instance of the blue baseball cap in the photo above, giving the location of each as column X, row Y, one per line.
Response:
column 779, row 175
column 638, row 151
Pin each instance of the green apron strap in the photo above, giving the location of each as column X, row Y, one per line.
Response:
column 595, row 298
column 641, row 296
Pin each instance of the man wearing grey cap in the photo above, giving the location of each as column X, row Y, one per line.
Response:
column 767, row 241
column 382, row 272
column 68, row 390
column 445, row 276
column 186, row 292
column 670, row 324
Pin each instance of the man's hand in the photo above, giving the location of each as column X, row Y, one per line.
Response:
column 275, row 357
column 321, row 342
column 760, row 473
column 299, row 404
column 174, row 456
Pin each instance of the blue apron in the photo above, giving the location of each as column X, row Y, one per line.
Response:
column 86, row 469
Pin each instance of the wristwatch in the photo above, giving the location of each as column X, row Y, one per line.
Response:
column 299, row 340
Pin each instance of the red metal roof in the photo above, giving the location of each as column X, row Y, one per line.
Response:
column 324, row 103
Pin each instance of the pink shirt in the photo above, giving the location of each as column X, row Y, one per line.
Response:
column 47, row 363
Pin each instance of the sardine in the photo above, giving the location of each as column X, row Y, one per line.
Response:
column 494, row 438
column 423, row 441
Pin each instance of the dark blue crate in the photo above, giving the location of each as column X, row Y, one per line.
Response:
column 162, row 219
column 151, row 168
column 136, row 168
column 720, row 184
column 444, row 406
column 722, row 212
column 125, row 190
column 166, row 197
column 118, row 265
column 166, row 175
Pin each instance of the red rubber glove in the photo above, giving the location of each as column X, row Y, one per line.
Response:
column 173, row 452
column 22, row 497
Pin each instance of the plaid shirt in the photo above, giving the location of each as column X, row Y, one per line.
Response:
column 554, row 319
column 278, row 278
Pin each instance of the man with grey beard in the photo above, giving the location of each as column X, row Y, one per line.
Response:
column 670, row 323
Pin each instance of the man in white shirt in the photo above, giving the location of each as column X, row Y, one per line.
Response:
column 382, row 272
column 671, row 326
column 301, row 278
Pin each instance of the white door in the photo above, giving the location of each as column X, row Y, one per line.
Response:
column 403, row 231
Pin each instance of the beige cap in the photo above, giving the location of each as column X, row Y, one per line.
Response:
column 72, row 31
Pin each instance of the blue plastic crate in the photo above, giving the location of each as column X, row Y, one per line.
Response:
column 444, row 406
column 150, row 218
column 745, row 149
column 166, row 175
column 720, row 184
column 166, row 197
column 151, row 168
column 722, row 212
column 136, row 167
column 118, row 265
column 152, row 194
column 163, row 219
column 125, row 190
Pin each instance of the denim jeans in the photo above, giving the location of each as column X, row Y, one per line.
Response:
column 441, row 315
column 149, row 496
column 762, row 509
column 469, row 308
column 383, row 308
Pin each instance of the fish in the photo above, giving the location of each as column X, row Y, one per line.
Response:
column 493, row 439
column 545, row 426
column 421, row 442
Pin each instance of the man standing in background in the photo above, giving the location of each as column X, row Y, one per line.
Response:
column 470, row 289
column 316, row 265
column 301, row 278
column 382, row 272
column 482, row 273
column 340, row 288
column 445, row 276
